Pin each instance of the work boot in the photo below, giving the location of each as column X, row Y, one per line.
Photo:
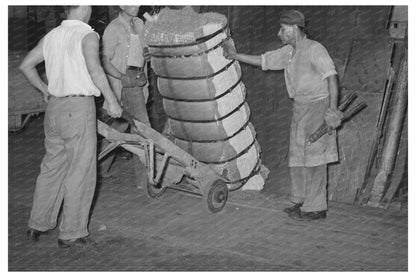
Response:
column 80, row 242
column 34, row 234
column 294, row 209
column 308, row 216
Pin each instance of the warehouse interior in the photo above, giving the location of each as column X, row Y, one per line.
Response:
column 369, row 47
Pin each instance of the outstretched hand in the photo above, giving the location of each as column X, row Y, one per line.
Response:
column 228, row 50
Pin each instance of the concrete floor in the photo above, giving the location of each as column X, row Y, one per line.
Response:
column 175, row 233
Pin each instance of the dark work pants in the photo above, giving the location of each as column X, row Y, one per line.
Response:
column 134, row 103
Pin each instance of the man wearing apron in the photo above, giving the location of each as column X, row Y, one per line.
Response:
column 124, row 62
column 311, row 81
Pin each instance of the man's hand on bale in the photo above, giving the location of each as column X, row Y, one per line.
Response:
column 228, row 50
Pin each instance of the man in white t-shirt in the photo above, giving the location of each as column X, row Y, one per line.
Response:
column 68, row 169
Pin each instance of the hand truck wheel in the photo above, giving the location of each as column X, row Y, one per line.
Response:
column 153, row 191
column 215, row 196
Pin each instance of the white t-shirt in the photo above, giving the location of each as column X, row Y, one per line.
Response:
column 65, row 65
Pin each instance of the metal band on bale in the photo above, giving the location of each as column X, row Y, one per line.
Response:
column 235, row 157
column 208, row 121
column 198, row 40
column 198, row 78
column 243, row 181
column 206, row 99
column 213, row 140
column 189, row 55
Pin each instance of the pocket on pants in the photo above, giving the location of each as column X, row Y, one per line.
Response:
column 77, row 120
column 72, row 124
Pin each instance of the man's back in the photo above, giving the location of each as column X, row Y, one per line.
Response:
column 65, row 64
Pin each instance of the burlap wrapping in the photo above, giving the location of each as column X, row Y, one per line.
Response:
column 204, row 98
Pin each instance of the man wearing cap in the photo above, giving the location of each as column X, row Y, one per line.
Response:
column 311, row 82
column 124, row 61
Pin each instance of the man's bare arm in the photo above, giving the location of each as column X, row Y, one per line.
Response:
column 249, row 59
column 90, row 48
column 28, row 68
column 333, row 91
column 110, row 69
column 333, row 116
column 231, row 53
column 126, row 81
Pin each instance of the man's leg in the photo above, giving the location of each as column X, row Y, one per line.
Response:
column 298, row 189
column 298, row 184
column 134, row 103
column 79, row 132
column 49, row 191
column 315, row 205
column 315, row 200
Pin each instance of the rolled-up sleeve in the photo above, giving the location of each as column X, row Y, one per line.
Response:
column 276, row 59
column 322, row 61
column 110, row 41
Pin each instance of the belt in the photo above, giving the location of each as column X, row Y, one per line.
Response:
column 73, row 95
column 134, row 67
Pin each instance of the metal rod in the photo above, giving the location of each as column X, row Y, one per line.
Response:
column 347, row 101
column 151, row 147
column 359, row 197
column 147, row 162
column 323, row 129
column 393, row 133
column 162, row 168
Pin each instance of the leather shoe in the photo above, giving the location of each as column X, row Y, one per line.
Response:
column 34, row 234
column 308, row 216
column 294, row 209
column 84, row 241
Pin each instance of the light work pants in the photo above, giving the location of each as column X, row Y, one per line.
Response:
column 309, row 186
column 68, row 169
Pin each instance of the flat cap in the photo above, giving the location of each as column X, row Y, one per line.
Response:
column 292, row 17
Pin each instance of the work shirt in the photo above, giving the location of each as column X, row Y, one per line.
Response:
column 305, row 69
column 65, row 65
column 123, row 45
